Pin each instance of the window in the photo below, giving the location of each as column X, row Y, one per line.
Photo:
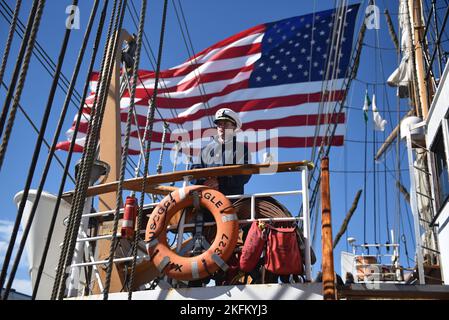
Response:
column 441, row 170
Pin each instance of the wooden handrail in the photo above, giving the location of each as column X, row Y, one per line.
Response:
column 153, row 181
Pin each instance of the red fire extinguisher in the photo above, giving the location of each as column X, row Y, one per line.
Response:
column 129, row 217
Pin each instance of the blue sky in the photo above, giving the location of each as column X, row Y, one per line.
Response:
column 208, row 23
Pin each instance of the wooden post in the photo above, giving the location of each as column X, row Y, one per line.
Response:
column 326, row 234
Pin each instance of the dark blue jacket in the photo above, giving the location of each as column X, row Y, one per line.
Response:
column 217, row 154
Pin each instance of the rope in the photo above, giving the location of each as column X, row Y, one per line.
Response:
column 355, row 63
column 194, row 60
column 150, row 119
column 85, row 163
column 55, row 139
column 20, row 85
column 69, row 158
column 386, row 204
column 93, row 136
column 36, row 156
column 18, row 65
column 33, row 125
column 125, row 152
column 164, row 133
column 151, row 57
column 134, row 115
column 12, row 28
column 364, row 183
column 44, row 59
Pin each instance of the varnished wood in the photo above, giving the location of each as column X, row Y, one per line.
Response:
column 110, row 150
column 153, row 180
column 326, row 234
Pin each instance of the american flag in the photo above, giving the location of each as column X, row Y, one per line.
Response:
column 273, row 75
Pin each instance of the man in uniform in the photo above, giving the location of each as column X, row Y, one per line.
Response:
column 224, row 150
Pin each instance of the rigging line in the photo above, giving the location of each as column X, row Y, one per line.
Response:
column 314, row 193
column 385, row 95
column 146, row 124
column 9, row 40
column 363, row 171
column 35, row 157
column 125, row 149
column 331, row 132
column 17, row 95
column 383, row 111
column 139, row 224
column 45, row 64
column 328, row 78
column 95, row 143
column 346, row 84
column 194, row 60
column 38, row 48
column 59, row 127
column 86, row 162
column 438, row 20
column 312, row 41
column 394, row 49
column 375, row 144
column 386, row 199
column 408, row 214
column 152, row 59
column 397, row 155
column 18, row 67
column 66, row 168
column 371, row 83
column 355, row 60
column 364, row 183
column 33, row 125
column 157, row 108
column 150, row 120
column 399, row 14
column 134, row 113
column 332, row 52
column 337, row 50
column 433, row 34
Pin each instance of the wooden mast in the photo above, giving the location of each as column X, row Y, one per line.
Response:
column 415, row 10
column 326, row 234
column 425, row 91
column 109, row 152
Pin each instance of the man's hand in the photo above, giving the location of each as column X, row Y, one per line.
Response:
column 212, row 183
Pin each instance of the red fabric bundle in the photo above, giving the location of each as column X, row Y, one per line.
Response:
column 283, row 255
column 252, row 249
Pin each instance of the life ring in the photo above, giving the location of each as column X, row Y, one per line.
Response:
column 205, row 264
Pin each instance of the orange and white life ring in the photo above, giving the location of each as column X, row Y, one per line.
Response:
column 205, row 264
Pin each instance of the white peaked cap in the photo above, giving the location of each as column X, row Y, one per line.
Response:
column 228, row 114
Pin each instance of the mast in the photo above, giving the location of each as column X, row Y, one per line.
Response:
column 329, row 292
column 109, row 151
column 421, row 197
